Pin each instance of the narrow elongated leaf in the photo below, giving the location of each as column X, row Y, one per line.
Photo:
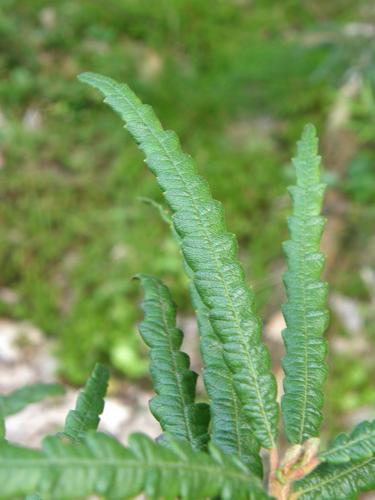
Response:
column 101, row 465
column 360, row 444
column 17, row 400
column 230, row 429
column 337, row 481
column 89, row 405
column 174, row 383
column 305, row 312
column 211, row 253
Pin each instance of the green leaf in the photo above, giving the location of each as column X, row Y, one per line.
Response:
column 89, row 405
column 18, row 480
column 211, row 253
column 174, row 383
column 305, row 312
column 360, row 444
column 101, row 465
column 17, row 400
column 337, row 481
column 230, row 430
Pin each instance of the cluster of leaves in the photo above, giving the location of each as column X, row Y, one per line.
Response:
column 56, row 203
column 194, row 459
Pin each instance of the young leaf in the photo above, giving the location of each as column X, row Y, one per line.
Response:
column 305, row 312
column 230, row 430
column 17, row 400
column 101, row 465
column 174, row 383
column 211, row 253
column 89, row 405
column 337, row 481
column 360, row 444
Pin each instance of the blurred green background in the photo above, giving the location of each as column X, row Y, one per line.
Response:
column 236, row 79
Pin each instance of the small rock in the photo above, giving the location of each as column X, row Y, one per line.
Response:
column 32, row 120
column 349, row 313
column 7, row 295
column 47, row 18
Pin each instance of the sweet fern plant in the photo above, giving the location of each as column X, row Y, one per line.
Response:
column 215, row 449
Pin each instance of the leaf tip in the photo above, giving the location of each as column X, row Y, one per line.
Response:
column 309, row 131
column 102, row 370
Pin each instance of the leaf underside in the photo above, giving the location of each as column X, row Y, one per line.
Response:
column 338, row 481
column 230, row 430
column 211, row 253
column 174, row 383
column 305, row 312
column 101, row 465
column 89, row 405
column 359, row 445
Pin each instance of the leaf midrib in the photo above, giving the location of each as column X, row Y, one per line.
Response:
column 48, row 462
column 348, row 444
column 306, row 366
column 324, row 482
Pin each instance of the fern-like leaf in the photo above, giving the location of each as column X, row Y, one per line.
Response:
column 337, row 481
column 174, row 383
column 211, row 253
column 101, row 465
column 89, row 405
column 17, row 400
column 360, row 444
column 230, row 430
column 305, row 312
